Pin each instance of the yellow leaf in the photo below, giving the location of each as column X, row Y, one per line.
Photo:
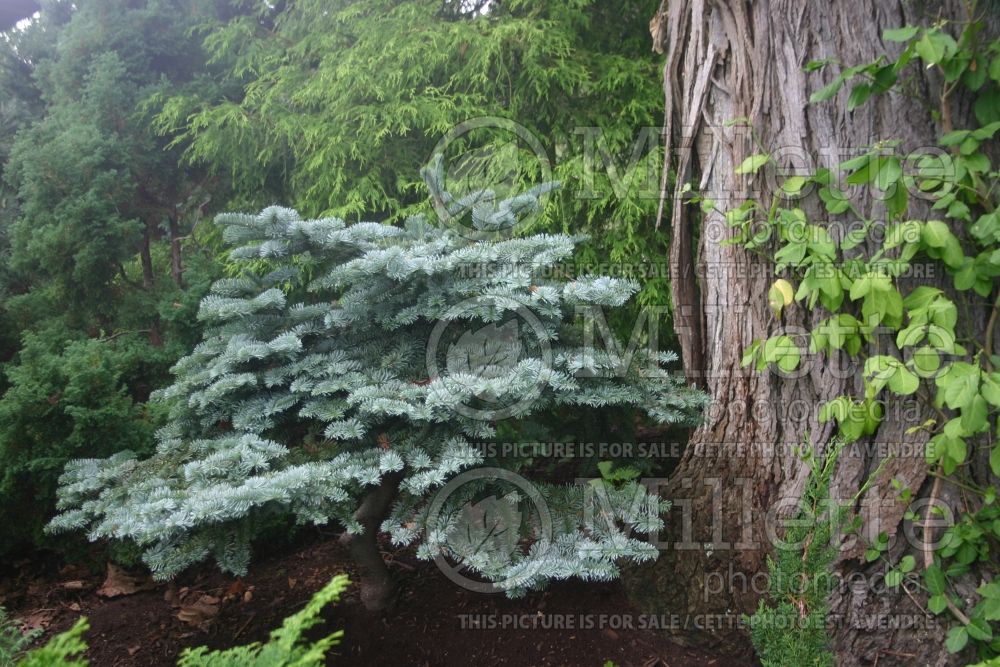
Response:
column 780, row 295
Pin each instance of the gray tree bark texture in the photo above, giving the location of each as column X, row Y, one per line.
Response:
column 744, row 59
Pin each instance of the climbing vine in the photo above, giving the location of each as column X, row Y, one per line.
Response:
column 861, row 282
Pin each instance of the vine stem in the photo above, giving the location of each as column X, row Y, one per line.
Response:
column 990, row 326
column 929, row 552
column 958, row 484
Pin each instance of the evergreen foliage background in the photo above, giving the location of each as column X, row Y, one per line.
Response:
column 125, row 126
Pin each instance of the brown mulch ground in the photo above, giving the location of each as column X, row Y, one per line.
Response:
column 433, row 624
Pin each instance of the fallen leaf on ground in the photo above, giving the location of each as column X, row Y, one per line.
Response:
column 119, row 582
column 199, row 613
column 38, row 620
column 235, row 590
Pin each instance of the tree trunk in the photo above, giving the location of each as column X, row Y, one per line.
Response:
column 176, row 259
column 742, row 59
column 149, row 279
column 378, row 590
column 146, row 256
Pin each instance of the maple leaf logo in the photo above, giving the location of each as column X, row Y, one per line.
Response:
column 490, row 526
column 488, row 353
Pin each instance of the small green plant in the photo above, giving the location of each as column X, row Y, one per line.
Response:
column 611, row 473
column 285, row 648
column 63, row 650
column 12, row 641
column 793, row 631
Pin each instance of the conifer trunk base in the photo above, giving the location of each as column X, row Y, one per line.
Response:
column 378, row 589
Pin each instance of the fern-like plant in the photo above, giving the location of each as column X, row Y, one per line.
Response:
column 285, row 648
column 63, row 650
column 13, row 642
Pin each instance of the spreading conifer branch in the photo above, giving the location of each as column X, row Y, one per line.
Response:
column 325, row 332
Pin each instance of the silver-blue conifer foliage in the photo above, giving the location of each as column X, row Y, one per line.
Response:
column 311, row 385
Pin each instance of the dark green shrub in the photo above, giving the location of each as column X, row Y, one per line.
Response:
column 65, row 400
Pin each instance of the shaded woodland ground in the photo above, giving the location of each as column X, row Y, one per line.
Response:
column 150, row 626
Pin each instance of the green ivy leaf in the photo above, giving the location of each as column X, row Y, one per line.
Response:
column 960, row 384
column 790, row 361
column 793, row 184
column 828, row 91
column 921, row 297
column 834, row 200
column 749, row 354
column 934, row 46
column 952, row 253
column 904, row 34
column 958, row 637
column 959, row 210
column 752, row 164
column 861, row 287
column 907, row 564
column 903, row 382
column 989, row 607
column 859, row 95
column 954, row 137
column 889, row 172
column 860, row 176
column 975, row 416
column 979, row 629
column 936, row 234
column 814, row 65
column 990, row 388
column 935, row 580
column 957, row 453
column 926, row 361
column 937, row 603
column 987, row 131
column 883, row 306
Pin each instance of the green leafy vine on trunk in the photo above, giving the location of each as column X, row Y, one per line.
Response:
column 939, row 356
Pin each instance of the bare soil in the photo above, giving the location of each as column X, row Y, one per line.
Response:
column 436, row 622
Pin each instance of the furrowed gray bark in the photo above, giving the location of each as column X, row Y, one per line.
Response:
column 743, row 61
